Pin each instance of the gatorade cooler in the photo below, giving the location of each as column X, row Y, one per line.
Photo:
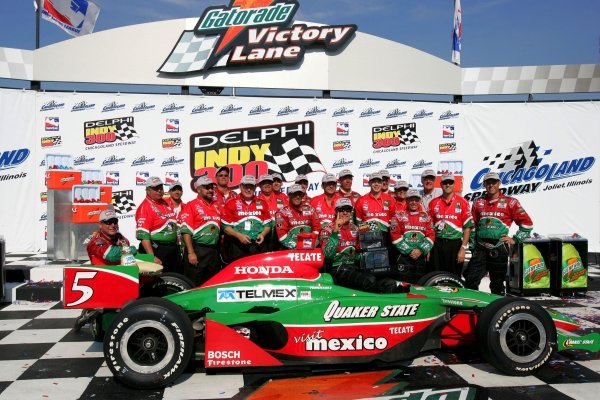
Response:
column 528, row 272
column 569, row 264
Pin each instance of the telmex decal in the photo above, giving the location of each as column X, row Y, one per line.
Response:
column 257, row 293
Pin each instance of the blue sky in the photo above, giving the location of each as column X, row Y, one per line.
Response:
column 495, row 32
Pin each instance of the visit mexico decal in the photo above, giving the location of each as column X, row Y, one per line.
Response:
column 528, row 168
column 251, row 32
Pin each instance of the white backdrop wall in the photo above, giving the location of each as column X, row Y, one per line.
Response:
column 546, row 152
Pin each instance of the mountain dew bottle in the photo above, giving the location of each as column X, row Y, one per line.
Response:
column 535, row 273
column 574, row 273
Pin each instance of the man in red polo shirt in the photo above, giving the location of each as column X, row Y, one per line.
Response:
column 452, row 222
column 345, row 178
column 156, row 227
column 376, row 207
column 223, row 192
column 104, row 246
column 324, row 204
column 201, row 227
column 296, row 219
column 400, row 189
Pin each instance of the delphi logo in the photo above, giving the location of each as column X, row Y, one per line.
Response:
column 251, row 32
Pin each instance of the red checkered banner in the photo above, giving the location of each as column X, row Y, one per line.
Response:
column 545, row 153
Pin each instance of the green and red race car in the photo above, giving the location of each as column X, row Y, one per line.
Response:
column 280, row 309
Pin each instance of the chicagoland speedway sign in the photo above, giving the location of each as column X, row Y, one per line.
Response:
column 251, row 32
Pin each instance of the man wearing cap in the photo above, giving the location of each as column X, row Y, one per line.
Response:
column 493, row 216
column 385, row 181
column 324, row 204
column 200, row 229
column 246, row 222
column 156, row 227
column 302, row 180
column 376, row 207
column 429, row 191
column 104, row 245
column 223, row 193
column 296, row 219
column 174, row 199
column 340, row 243
column 282, row 198
column 412, row 235
column 452, row 221
column 345, row 178
column 265, row 182
column 400, row 189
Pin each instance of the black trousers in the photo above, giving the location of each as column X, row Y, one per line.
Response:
column 168, row 253
column 236, row 250
column 484, row 260
column 208, row 263
column 443, row 255
column 409, row 270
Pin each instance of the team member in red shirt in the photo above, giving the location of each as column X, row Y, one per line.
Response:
column 223, row 192
column 299, row 218
column 400, row 189
column 324, row 204
column 385, row 181
column 246, row 222
column 452, row 222
column 156, row 227
column 345, row 178
column 302, row 180
column 104, row 246
column 200, row 229
column 282, row 199
column 174, row 199
column 493, row 215
column 376, row 207
column 265, row 182
column 412, row 235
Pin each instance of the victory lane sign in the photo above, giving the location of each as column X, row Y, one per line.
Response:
column 248, row 151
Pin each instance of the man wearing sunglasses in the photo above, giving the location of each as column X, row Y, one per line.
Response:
column 200, row 229
column 324, row 204
column 246, row 222
column 295, row 219
column 412, row 235
column 452, row 222
column 156, row 227
column 223, row 192
column 104, row 246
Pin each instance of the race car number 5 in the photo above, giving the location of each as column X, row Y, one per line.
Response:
column 86, row 291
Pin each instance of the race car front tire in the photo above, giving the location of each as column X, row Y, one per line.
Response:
column 149, row 343
column 165, row 284
column 516, row 336
column 441, row 278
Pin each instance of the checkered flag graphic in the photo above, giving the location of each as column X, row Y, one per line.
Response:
column 407, row 136
column 291, row 159
column 191, row 53
column 523, row 156
column 125, row 132
column 123, row 201
column 56, row 140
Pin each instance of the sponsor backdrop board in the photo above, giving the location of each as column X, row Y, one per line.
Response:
column 545, row 152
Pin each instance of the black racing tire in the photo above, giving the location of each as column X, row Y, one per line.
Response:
column 441, row 278
column 516, row 336
column 149, row 343
column 165, row 284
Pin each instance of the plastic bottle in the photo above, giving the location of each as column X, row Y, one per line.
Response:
column 535, row 273
column 126, row 257
column 574, row 273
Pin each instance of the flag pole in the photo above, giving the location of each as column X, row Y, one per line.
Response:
column 37, row 24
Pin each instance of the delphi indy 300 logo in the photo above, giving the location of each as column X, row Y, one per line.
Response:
column 250, row 32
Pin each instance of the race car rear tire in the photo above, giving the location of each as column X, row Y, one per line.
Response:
column 441, row 278
column 165, row 284
column 149, row 343
column 516, row 336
